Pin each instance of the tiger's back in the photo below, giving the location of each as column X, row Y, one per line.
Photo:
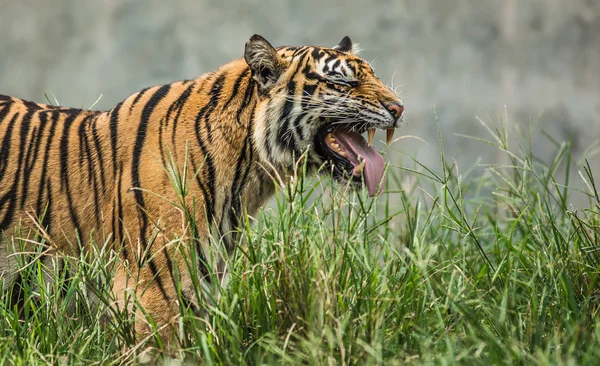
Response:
column 42, row 149
column 37, row 189
column 79, row 173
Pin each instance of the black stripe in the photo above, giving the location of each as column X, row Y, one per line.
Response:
column 297, row 125
column 161, row 149
column 288, row 141
column 343, row 71
column 32, row 148
column 335, row 65
column 221, row 230
column 375, row 105
column 6, row 145
column 303, row 51
column 327, row 61
column 9, row 199
column 47, row 214
column 268, row 147
column 84, row 149
column 114, row 121
column 81, row 147
column 64, row 170
column 307, row 91
column 7, row 107
column 169, row 264
column 88, row 157
column 207, row 206
column 44, row 181
column 98, row 154
column 208, row 109
column 135, row 173
column 208, row 190
column 204, row 114
column 311, row 75
column 137, row 98
column 241, row 177
column 119, row 218
column 353, row 66
column 179, row 103
column 228, row 201
column 236, row 87
column 248, row 95
column 176, row 105
column 31, row 106
column 317, row 53
column 299, row 63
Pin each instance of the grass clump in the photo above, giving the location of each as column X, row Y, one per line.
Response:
column 483, row 266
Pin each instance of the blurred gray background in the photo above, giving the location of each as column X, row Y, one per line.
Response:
column 535, row 61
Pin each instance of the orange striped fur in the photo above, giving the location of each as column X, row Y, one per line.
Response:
column 101, row 175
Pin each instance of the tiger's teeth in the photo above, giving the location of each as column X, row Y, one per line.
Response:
column 370, row 135
column 389, row 135
column 359, row 168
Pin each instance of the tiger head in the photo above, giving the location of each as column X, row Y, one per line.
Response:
column 319, row 101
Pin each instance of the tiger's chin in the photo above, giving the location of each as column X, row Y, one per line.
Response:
column 351, row 158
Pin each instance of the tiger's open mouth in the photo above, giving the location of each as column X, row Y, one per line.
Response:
column 351, row 157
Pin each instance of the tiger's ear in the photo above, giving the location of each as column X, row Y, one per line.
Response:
column 264, row 62
column 345, row 45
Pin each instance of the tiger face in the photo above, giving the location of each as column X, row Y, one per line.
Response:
column 319, row 101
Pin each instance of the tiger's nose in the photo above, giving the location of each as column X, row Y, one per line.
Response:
column 395, row 108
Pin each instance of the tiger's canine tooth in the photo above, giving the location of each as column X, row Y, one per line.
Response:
column 359, row 168
column 389, row 135
column 370, row 135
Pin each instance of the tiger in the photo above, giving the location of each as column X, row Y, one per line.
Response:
column 86, row 176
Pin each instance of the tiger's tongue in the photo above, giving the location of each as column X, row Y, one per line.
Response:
column 356, row 146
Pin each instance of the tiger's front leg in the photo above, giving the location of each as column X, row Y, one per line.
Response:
column 160, row 287
column 142, row 298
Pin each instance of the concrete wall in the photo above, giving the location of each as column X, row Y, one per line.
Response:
column 539, row 59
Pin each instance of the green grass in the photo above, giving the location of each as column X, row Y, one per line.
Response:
column 481, row 266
